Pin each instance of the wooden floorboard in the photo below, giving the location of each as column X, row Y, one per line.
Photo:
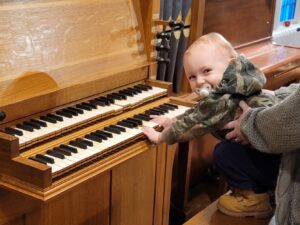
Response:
column 211, row 216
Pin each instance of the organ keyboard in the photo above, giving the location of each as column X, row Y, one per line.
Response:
column 61, row 120
column 98, row 140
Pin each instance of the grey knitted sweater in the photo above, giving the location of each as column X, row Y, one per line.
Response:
column 277, row 130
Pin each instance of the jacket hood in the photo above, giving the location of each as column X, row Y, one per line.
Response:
column 241, row 77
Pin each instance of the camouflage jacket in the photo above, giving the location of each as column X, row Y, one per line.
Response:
column 241, row 81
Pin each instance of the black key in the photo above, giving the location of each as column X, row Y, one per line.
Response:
column 86, row 142
column 127, row 93
column 171, row 105
column 135, row 120
column 116, row 96
column 62, row 151
column 156, row 109
column 48, row 119
column 162, row 109
column 78, row 144
column 41, row 123
column 96, row 102
column 168, row 107
column 68, row 148
column 55, row 154
column 137, row 90
column 134, row 123
column 148, row 87
column 153, row 112
column 101, row 136
column 142, row 117
column 79, row 111
column 13, row 131
column 122, row 129
column 81, row 106
column 33, row 125
column 92, row 106
column 38, row 160
column 145, row 88
column 106, row 134
column 45, row 158
column 72, row 112
column 64, row 114
column 134, row 92
column 141, row 88
column 103, row 100
column 125, row 124
column 93, row 137
column 106, row 99
column 112, row 130
column 165, row 107
column 25, row 127
column 56, row 117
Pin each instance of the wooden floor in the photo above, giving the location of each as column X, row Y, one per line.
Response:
column 211, row 216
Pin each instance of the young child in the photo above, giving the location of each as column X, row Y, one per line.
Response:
column 223, row 78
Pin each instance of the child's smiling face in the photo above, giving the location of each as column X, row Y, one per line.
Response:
column 205, row 63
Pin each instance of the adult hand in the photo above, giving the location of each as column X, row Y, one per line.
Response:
column 163, row 121
column 236, row 135
column 266, row 91
column 152, row 135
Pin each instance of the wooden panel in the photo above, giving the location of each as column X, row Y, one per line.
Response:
column 18, row 221
column 170, row 153
column 160, row 184
column 45, row 36
column 66, row 43
column 202, row 150
column 240, row 21
column 133, row 189
column 13, row 206
column 86, row 204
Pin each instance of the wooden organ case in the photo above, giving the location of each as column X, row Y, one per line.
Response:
column 66, row 68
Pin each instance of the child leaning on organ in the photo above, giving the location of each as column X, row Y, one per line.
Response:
column 223, row 78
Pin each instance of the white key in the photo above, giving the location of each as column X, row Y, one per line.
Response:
column 54, row 168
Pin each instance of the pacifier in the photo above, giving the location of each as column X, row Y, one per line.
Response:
column 203, row 91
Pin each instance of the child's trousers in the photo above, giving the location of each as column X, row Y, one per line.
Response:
column 246, row 168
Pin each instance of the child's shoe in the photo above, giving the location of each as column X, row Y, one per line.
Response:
column 242, row 203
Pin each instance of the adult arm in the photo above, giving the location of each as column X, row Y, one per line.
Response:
column 275, row 129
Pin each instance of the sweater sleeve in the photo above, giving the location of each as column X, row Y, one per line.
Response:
column 208, row 116
column 284, row 92
column 275, row 129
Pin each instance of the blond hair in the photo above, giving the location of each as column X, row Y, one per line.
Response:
column 216, row 40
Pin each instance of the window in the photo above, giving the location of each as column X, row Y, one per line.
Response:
column 287, row 11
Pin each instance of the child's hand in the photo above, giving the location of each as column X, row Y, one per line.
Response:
column 152, row 134
column 266, row 91
column 163, row 121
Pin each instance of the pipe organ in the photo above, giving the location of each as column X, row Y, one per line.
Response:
column 75, row 88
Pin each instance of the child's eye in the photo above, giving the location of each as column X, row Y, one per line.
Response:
column 192, row 77
column 206, row 71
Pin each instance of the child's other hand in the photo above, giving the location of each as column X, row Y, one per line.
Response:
column 152, row 134
column 163, row 121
